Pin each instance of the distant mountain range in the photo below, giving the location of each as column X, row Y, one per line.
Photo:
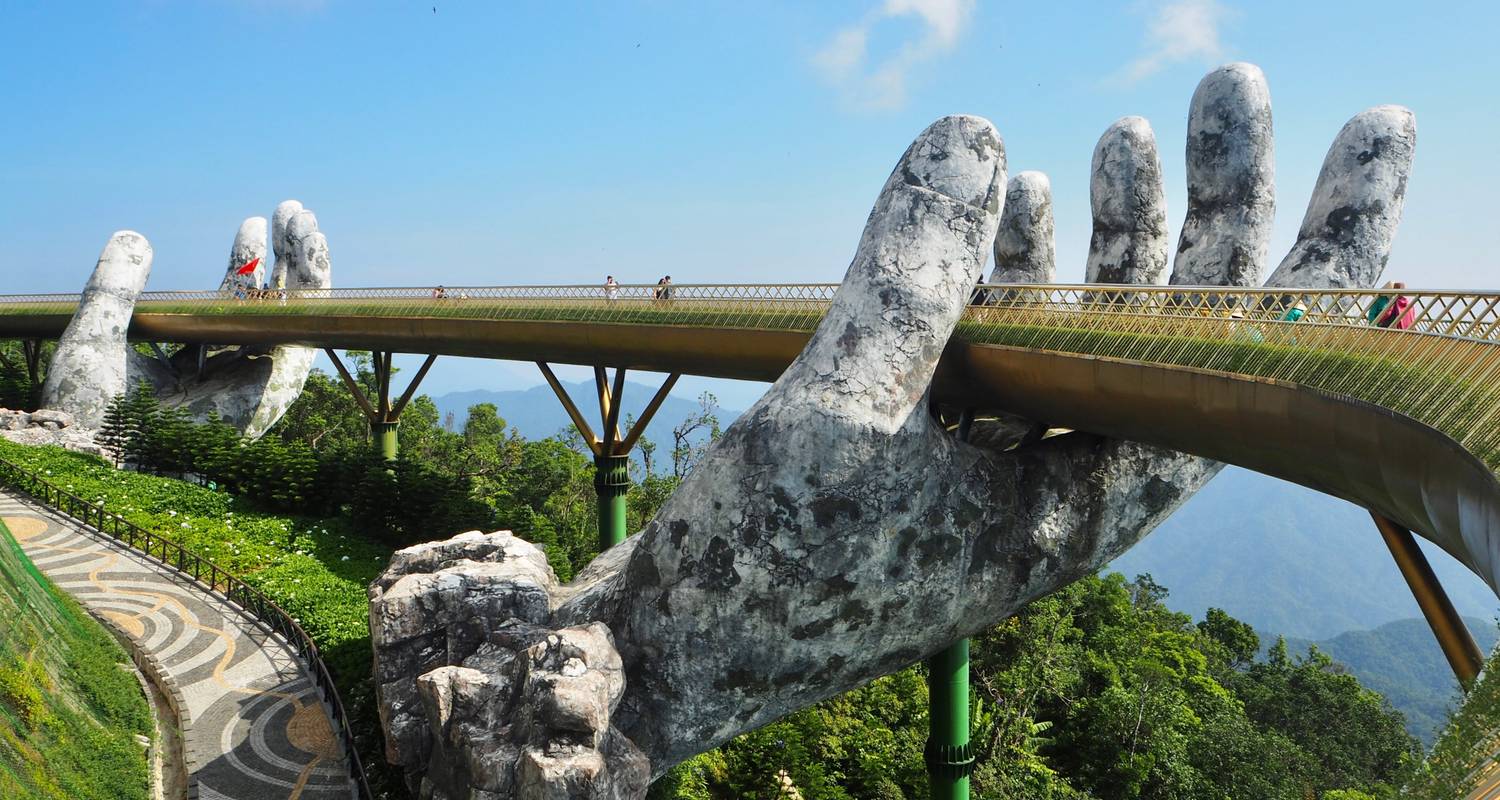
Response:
column 1290, row 560
column 1402, row 661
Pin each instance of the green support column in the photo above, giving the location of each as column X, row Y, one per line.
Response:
column 950, row 757
column 611, row 482
column 384, row 434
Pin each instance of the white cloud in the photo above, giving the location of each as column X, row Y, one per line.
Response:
column 1178, row 31
column 845, row 60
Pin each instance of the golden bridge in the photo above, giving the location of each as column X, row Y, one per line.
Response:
column 1298, row 384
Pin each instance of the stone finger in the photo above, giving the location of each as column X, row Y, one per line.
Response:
column 1345, row 238
column 281, row 246
column 249, row 247
column 1129, row 242
column 1231, row 177
column 923, row 248
column 1024, row 248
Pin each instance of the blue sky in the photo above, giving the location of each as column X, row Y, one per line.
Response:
column 491, row 143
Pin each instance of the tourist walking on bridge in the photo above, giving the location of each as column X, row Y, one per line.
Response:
column 611, row 289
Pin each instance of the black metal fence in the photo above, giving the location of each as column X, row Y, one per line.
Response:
column 206, row 573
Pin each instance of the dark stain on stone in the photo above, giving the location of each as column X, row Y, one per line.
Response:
column 679, row 530
column 849, row 339
column 827, row 509
column 717, row 567
column 813, row 630
column 740, row 678
column 643, row 570
column 835, row 586
column 855, row 614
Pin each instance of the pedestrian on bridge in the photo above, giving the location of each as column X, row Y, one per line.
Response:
column 611, row 289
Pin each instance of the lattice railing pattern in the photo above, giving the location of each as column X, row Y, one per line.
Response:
column 1443, row 368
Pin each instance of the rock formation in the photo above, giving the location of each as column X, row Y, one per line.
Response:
column 1129, row 243
column 835, row 533
column 1231, row 177
column 1024, row 250
column 88, row 367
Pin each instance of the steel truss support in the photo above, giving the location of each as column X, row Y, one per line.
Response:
column 1458, row 644
column 611, row 450
column 949, row 755
column 384, row 418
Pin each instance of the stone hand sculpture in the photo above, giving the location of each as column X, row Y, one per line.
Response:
column 247, row 387
column 837, row 532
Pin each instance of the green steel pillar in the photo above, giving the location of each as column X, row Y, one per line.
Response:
column 384, row 434
column 611, row 482
column 950, row 757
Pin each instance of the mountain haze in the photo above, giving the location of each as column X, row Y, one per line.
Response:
column 1289, row 560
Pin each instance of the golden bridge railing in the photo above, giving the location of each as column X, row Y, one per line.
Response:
column 1443, row 369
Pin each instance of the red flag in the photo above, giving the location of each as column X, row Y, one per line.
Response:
column 248, row 268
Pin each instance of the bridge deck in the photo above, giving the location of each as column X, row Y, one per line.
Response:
column 1403, row 421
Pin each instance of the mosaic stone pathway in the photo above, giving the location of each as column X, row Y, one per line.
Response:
column 256, row 727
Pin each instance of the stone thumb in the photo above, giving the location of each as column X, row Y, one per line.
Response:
column 923, row 248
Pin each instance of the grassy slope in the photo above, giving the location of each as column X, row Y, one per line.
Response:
column 315, row 569
column 68, row 713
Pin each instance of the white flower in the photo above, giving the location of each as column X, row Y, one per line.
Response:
column 185, row 525
column 345, row 558
column 171, row 512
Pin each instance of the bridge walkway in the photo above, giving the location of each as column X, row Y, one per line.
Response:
column 253, row 724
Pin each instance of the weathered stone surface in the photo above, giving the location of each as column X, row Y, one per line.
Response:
column 88, row 367
column 1356, row 206
column 1231, row 176
column 249, row 245
column 307, row 249
column 1024, row 249
column 834, row 533
column 467, row 671
column 61, row 419
column 1129, row 243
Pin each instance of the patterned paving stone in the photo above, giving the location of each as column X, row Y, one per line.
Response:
column 257, row 727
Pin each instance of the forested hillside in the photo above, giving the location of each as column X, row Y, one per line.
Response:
column 69, row 713
column 1402, row 661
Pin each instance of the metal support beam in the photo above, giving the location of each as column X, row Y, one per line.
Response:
column 589, row 439
column 949, row 755
column 166, row 360
column 611, row 451
column 640, row 424
column 1458, row 645
column 384, row 418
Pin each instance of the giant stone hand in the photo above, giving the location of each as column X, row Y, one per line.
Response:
column 246, row 387
column 837, row 532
